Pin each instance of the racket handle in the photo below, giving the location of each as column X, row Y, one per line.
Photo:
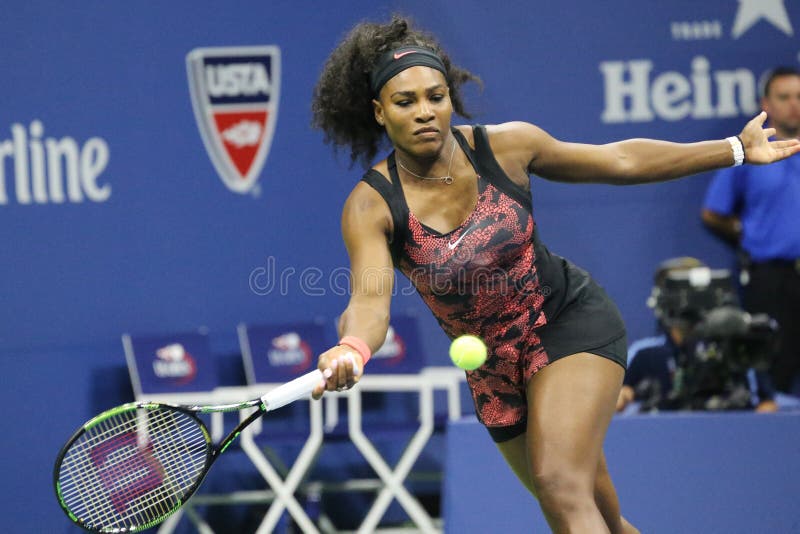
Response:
column 291, row 391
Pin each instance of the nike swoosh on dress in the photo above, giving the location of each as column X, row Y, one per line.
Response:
column 453, row 245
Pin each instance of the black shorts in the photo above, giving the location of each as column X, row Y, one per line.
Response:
column 592, row 323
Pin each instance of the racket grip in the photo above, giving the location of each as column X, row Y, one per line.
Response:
column 291, row 391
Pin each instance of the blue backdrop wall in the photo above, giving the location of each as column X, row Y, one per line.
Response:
column 114, row 219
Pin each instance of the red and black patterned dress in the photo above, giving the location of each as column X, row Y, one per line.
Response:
column 493, row 278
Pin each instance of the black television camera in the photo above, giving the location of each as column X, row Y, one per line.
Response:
column 719, row 340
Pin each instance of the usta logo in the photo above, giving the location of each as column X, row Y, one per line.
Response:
column 45, row 170
column 235, row 93
column 238, row 79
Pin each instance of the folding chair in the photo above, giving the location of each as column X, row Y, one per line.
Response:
column 177, row 369
column 398, row 366
column 273, row 354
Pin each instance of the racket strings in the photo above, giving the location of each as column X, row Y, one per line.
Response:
column 132, row 476
column 133, row 468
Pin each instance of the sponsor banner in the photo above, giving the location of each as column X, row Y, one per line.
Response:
column 401, row 352
column 277, row 353
column 174, row 364
column 637, row 90
column 40, row 169
column 393, row 350
column 289, row 350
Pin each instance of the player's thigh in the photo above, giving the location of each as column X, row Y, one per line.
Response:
column 515, row 452
column 570, row 404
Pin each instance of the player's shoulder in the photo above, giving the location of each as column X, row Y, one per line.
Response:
column 365, row 201
column 514, row 136
column 504, row 132
column 511, row 128
column 364, row 196
column 509, row 132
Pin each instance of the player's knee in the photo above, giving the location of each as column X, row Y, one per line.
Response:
column 563, row 492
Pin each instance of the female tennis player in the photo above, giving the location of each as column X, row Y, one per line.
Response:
column 450, row 207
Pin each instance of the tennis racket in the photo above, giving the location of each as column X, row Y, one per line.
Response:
column 133, row 466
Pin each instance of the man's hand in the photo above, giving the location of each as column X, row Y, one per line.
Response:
column 767, row 406
column 626, row 395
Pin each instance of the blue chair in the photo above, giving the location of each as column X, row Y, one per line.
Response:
column 277, row 353
column 170, row 365
column 274, row 354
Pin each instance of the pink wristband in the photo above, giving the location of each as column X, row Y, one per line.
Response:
column 359, row 345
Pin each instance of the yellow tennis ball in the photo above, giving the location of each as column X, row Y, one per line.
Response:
column 468, row 352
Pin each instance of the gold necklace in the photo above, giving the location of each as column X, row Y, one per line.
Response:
column 448, row 178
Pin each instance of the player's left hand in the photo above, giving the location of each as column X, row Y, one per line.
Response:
column 758, row 149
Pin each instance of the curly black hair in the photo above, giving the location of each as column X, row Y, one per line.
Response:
column 342, row 102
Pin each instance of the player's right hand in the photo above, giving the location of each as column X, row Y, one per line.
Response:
column 346, row 367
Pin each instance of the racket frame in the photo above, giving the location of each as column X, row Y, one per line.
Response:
column 280, row 396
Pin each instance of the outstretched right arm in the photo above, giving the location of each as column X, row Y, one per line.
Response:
column 366, row 227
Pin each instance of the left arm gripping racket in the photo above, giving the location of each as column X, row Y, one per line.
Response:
column 133, row 466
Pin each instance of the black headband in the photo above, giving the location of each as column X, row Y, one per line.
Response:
column 395, row 61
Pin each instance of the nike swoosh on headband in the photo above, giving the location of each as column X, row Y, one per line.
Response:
column 398, row 55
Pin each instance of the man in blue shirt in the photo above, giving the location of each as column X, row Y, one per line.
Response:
column 758, row 209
